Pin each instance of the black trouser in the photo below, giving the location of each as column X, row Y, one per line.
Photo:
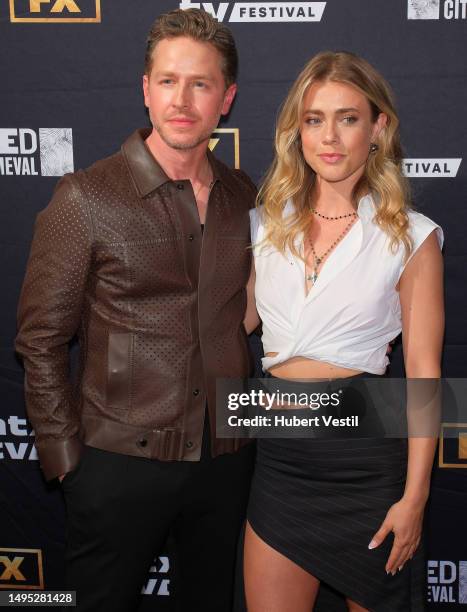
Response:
column 120, row 510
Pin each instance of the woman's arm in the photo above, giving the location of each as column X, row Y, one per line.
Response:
column 422, row 304
column 251, row 320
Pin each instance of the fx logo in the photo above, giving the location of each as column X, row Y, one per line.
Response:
column 226, row 143
column 21, row 568
column 55, row 11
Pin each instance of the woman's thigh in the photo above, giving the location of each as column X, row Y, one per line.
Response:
column 274, row 583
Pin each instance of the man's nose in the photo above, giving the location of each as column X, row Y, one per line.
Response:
column 181, row 96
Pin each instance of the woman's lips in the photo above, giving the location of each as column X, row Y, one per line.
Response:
column 331, row 158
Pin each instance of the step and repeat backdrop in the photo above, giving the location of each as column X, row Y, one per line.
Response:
column 71, row 73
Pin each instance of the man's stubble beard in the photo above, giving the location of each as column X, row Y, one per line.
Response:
column 183, row 146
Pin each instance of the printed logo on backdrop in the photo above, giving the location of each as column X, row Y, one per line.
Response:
column 447, row 582
column 17, row 439
column 225, row 144
column 437, row 9
column 55, row 11
column 260, row 12
column 158, row 583
column 42, row 152
column 21, row 568
column 431, row 168
column 452, row 451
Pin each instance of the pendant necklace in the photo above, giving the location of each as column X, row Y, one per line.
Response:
column 317, row 260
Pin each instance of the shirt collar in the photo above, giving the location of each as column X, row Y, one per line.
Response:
column 366, row 208
column 148, row 175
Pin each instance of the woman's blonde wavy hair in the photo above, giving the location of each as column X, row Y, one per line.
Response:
column 291, row 177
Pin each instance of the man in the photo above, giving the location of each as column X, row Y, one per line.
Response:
column 120, row 258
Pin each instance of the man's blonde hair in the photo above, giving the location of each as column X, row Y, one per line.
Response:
column 198, row 25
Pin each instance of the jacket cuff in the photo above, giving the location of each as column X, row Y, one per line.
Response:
column 58, row 457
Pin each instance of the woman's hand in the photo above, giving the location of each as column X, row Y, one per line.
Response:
column 405, row 520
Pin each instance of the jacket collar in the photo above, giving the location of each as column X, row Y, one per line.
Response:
column 148, row 175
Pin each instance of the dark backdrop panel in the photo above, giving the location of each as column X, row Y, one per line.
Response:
column 84, row 80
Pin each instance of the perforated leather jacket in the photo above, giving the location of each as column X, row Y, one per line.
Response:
column 118, row 258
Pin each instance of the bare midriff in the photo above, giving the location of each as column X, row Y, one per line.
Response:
column 303, row 368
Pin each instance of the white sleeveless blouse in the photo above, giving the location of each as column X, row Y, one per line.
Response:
column 352, row 311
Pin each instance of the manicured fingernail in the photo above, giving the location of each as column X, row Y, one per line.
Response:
column 372, row 544
column 400, row 568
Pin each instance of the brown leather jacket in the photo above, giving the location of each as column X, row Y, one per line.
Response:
column 118, row 258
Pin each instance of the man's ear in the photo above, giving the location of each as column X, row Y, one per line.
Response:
column 146, row 90
column 229, row 96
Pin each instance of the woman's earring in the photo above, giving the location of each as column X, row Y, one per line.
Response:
column 373, row 147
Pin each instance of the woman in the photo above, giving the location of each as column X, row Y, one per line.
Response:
column 342, row 265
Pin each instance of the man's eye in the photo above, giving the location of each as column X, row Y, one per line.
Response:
column 167, row 81
column 200, row 84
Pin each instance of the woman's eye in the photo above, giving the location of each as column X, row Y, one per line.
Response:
column 312, row 120
column 349, row 120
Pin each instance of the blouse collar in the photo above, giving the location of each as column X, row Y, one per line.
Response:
column 340, row 260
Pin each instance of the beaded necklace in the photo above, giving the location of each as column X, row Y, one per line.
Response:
column 317, row 260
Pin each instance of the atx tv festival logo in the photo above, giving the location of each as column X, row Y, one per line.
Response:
column 55, row 11
column 431, row 168
column 447, row 582
column 261, row 12
column 437, row 9
column 158, row 585
column 21, row 568
column 27, row 152
column 17, row 439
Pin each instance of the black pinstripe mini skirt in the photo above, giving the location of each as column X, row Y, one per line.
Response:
column 320, row 501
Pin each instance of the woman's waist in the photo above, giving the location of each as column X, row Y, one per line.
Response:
column 304, row 368
column 324, row 362
column 321, row 356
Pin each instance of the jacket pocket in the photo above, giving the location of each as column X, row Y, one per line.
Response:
column 119, row 366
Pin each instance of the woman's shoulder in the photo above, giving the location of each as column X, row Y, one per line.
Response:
column 420, row 226
column 258, row 215
column 258, row 218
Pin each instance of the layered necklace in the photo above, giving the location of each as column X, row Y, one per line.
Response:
column 318, row 259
